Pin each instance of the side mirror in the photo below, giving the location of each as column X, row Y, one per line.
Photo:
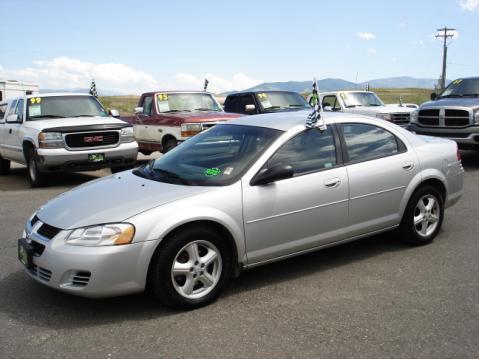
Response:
column 12, row 118
column 433, row 96
column 327, row 108
column 114, row 113
column 138, row 110
column 273, row 174
column 250, row 108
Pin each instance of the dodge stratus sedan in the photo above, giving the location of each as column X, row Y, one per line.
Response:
column 241, row 194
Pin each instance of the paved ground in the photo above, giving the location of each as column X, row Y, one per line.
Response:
column 368, row 299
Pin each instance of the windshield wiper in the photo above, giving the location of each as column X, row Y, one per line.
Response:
column 298, row 106
column 470, row 95
column 170, row 111
column 47, row 116
column 446, row 96
column 373, row 104
column 140, row 172
column 172, row 175
column 351, row 106
column 204, row 109
column 83, row 116
column 273, row 108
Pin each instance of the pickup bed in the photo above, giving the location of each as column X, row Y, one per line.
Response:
column 166, row 118
column 63, row 132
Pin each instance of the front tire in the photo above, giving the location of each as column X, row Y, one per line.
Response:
column 191, row 268
column 423, row 217
column 4, row 166
column 35, row 176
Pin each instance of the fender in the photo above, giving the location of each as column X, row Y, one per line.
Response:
column 28, row 140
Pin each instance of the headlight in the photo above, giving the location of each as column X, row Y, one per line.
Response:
column 413, row 116
column 476, row 117
column 127, row 135
column 384, row 116
column 103, row 235
column 50, row 140
column 190, row 129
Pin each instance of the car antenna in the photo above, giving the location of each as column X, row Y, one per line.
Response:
column 206, row 84
column 315, row 118
column 400, row 101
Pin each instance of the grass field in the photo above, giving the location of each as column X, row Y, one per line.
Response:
column 127, row 104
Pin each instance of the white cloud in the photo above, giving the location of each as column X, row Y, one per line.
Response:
column 469, row 5
column 366, row 35
column 372, row 51
column 65, row 72
column 394, row 59
column 402, row 24
column 217, row 84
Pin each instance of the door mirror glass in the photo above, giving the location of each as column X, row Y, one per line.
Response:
column 138, row 110
column 433, row 96
column 12, row 118
column 272, row 174
column 250, row 108
column 114, row 113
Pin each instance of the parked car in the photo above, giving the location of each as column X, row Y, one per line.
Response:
column 365, row 103
column 244, row 193
column 453, row 114
column 165, row 119
column 256, row 102
column 63, row 132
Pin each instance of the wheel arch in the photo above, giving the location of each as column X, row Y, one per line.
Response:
column 167, row 137
column 27, row 144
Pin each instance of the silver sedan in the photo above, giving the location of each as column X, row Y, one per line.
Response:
column 242, row 194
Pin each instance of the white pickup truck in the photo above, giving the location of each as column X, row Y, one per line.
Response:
column 63, row 132
column 365, row 103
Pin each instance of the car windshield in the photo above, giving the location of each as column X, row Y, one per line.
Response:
column 189, row 102
column 47, row 107
column 462, row 88
column 356, row 99
column 271, row 101
column 216, row 157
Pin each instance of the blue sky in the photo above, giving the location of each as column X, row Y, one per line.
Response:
column 131, row 46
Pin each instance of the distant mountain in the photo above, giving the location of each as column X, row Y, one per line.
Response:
column 101, row 92
column 330, row 84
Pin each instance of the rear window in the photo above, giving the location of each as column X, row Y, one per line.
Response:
column 3, row 110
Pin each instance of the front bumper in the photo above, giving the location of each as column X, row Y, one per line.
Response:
column 465, row 137
column 61, row 159
column 91, row 271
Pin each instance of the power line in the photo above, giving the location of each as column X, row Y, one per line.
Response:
column 445, row 35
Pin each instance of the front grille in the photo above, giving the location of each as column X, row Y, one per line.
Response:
column 92, row 139
column 428, row 117
column 81, row 279
column 42, row 273
column 400, row 117
column 457, row 118
column 38, row 248
column 48, row 231
column 450, row 117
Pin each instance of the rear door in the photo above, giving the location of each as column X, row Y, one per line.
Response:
column 379, row 166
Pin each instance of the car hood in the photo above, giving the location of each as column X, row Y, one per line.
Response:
column 112, row 199
column 450, row 102
column 382, row 109
column 73, row 122
column 202, row 116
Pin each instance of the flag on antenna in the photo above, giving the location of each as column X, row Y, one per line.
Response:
column 314, row 118
column 93, row 90
column 206, row 85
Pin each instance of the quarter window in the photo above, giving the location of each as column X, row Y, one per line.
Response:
column 366, row 142
column 310, row 151
column 331, row 101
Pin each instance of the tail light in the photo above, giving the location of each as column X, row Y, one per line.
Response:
column 459, row 155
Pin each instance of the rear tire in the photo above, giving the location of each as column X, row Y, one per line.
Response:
column 4, row 167
column 190, row 269
column 35, row 176
column 423, row 217
column 169, row 145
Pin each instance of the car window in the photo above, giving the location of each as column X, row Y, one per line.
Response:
column 366, row 142
column 3, row 109
column 310, row 151
column 19, row 110
column 12, row 108
column 332, row 101
column 147, row 102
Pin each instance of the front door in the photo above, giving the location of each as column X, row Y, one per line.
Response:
column 302, row 212
column 12, row 137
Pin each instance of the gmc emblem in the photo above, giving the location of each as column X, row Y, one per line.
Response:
column 91, row 139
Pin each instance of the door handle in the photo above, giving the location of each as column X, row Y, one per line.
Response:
column 10, row 131
column 408, row 166
column 333, row 182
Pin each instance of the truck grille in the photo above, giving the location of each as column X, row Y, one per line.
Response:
column 48, row 231
column 92, row 139
column 452, row 118
column 400, row 117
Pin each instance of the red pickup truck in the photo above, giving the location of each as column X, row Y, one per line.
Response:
column 165, row 118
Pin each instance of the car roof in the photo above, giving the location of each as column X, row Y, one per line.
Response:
column 174, row 91
column 285, row 121
column 239, row 93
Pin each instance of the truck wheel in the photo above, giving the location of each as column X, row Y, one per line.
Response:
column 121, row 169
column 169, row 145
column 191, row 268
column 4, row 166
column 35, row 176
column 423, row 217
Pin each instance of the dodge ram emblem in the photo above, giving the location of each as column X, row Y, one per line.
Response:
column 91, row 139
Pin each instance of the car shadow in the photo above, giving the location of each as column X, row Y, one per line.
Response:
column 25, row 300
column 470, row 159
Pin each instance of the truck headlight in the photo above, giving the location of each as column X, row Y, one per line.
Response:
column 50, row 140
column 190, row 129
column 413, row 116
column 384, row 116
column 102, row 235
column 476, row 117
column 127, row 135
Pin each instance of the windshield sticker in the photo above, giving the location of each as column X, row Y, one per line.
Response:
column 163, row 106
column 262, row 96
column 35, row 100
column 266, row 104
column 211, row 172
column 35, row 110
column 228, row 171
column 456, row 82
column 343, row 95
column 162, row 97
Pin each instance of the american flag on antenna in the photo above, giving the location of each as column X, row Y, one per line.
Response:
column 93, row 90
column 314, row 118
column 206, row 85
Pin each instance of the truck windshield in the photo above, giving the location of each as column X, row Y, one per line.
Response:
column 462, row 88
column 41, row 108
column 186, row 102
column 216, row 157
column 271, row 101
column 355, row 99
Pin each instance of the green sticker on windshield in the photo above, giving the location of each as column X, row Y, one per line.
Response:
column 210, row 172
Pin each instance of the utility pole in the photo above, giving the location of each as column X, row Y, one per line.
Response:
column 445, row 35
